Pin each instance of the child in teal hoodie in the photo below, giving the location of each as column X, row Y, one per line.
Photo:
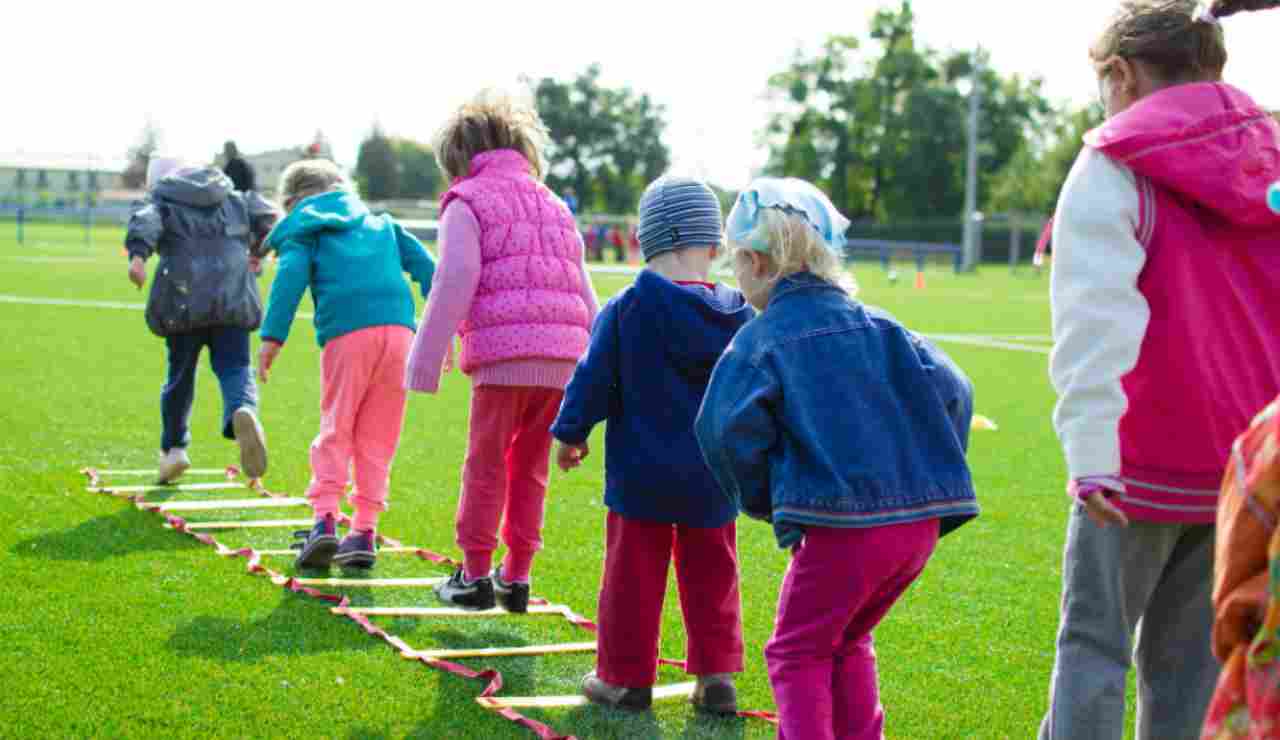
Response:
column 354, row 264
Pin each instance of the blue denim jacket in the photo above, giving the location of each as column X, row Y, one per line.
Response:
column 827, row 413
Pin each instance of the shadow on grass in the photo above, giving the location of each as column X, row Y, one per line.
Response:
column 299, row 625
column 126, row 532
column 594, row 721
column 707, row 726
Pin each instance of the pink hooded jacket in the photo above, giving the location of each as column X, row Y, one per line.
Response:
column 1203, row 156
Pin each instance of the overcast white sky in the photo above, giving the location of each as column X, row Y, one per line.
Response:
column 82, row 77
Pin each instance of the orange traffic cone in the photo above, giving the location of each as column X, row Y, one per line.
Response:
column 919, row 279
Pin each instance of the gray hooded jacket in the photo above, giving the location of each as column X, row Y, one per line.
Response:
column 203, row 232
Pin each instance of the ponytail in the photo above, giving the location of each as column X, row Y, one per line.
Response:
column 1224, row 8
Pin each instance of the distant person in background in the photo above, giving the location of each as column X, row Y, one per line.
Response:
column 571, row 200
column 1043, row 246
column 241, row 172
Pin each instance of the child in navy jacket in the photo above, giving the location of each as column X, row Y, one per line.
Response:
column 652, row 351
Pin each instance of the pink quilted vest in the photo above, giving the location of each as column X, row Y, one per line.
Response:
column 1203, row 155
column 529, row 302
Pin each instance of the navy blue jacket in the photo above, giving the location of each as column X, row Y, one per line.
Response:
column 652, row 351
column 824, row 412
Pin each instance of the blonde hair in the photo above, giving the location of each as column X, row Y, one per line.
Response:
column 1168, row 36
column 309, row 177
column 794, row 246
column 493, row 119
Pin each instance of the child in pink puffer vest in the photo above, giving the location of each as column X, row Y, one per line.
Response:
column 513, row 284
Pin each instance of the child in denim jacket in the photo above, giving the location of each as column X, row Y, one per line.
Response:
column 845, row 431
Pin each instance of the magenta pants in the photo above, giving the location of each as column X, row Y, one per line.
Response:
column 637, row 556
column 840, row 584
column 504, row 478
column 361, row 417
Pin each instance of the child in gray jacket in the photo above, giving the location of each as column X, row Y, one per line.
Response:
column 203, row 294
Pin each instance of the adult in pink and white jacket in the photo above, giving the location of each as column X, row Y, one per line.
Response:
column 513, row 283
column 1166, row 321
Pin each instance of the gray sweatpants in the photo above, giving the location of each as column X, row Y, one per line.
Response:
column 1157, row 579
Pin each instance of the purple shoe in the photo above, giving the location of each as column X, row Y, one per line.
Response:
column 320, row 544
column 357, row 550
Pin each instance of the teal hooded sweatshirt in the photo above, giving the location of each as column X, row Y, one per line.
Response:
column 353, row 262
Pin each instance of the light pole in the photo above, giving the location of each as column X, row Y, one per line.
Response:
column 970, row 248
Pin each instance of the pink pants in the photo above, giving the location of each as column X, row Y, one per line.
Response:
column 637, row 554
column 822, row 665
column 361, row 416
column 504, row 478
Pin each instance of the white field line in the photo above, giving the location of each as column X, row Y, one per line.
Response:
column 77, row 303
column 1014, row 343
column 987, row 342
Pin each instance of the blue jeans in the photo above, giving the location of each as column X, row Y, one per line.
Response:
column 229, row 356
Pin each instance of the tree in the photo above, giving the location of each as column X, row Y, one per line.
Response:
column 1034, row 176
column 606, row 142
column 419, row 174
column 135, row 174
column 376, row 168
column 881, row 125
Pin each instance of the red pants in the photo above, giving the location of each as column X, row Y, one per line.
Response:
column 637, row 554
column 504, row 478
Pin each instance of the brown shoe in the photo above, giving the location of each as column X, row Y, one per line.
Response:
column 714, row 693
column 618, row 697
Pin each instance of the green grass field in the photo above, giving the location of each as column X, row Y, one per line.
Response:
column 117, row 627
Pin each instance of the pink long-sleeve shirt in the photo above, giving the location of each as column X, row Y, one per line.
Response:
column 452, row 291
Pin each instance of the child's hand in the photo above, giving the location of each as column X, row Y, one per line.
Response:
column 448, row 359
column 570, row 456
column 138, row 272
column 266, row 356
column 1097, row 505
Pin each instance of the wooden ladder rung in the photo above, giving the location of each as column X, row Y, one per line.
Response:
column 240, row 503
column 566, row 647
column 229, row 485
column 442, row 611
column 368, row 582
column 381, row 551
column 574, row 700
column 254, row 524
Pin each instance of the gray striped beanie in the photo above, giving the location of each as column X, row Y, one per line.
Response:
column 677, row 212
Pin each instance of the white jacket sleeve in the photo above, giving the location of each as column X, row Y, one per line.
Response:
column 1099, row 315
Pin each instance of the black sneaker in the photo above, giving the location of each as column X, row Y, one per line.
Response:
column 319, row 546
column 357, row 550
column 715, row 694
column 514, row 597
column 475, row 596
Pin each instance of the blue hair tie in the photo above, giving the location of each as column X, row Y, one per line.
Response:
column 791, row 196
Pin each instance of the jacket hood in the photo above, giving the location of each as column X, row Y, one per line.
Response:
column 335, row 210
column 203, row 188
column 1207, row 142
column 697, row 324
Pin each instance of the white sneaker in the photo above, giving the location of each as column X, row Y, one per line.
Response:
column 172, row 465
column 252, row 441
